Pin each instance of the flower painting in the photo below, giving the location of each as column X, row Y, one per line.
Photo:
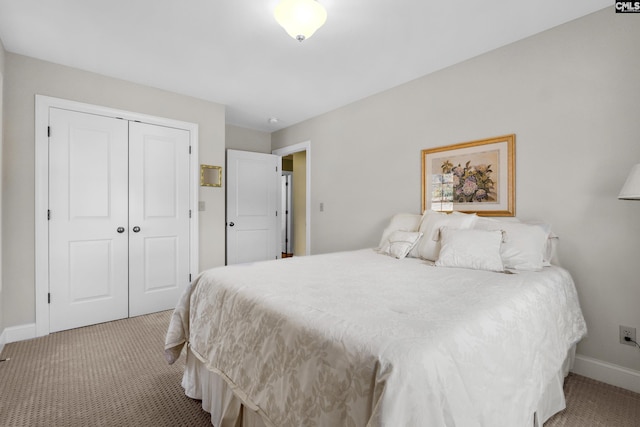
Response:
column 471, row 182
column 475, row 176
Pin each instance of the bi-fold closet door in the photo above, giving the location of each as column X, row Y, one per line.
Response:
column 119, row 218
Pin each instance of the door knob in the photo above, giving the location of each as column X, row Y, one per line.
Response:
column 231, row 224
column 120, row 230
column 136, row 229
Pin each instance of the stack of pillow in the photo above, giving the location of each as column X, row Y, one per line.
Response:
column 468, row 241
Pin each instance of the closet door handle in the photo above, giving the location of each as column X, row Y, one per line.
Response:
column 136, row 229
column 120, row 230
column 231, row 224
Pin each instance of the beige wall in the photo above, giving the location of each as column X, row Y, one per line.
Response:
column 571, row 97
column 25, row 77
column 287, row 164
column 238, row 138
column 300, row 203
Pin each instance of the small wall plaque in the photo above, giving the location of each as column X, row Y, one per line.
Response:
column 210, row 176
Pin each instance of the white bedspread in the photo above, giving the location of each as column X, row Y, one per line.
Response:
column 362, row 339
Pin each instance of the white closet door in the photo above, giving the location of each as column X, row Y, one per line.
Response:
column 158, row 217
column 88, row 242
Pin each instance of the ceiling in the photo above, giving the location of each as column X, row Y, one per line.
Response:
column 234, row 53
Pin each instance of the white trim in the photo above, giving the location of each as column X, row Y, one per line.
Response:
column 18, row 333
column 41, row 206
column 43, row 104
column 2, row 341
column 606, row 372
column 296, row 148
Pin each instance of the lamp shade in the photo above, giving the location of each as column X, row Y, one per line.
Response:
column 300, row 18
column 631, row 188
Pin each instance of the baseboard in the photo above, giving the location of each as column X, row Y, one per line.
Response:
column 2, row 341
column 18, row 333
column 606, row 372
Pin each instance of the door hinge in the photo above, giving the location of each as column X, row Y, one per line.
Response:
column 189, row 278
column 189, row 149
column 48, row 215
column 189, row 213
column 49, row 298
column 48, row 131
column 276, row 213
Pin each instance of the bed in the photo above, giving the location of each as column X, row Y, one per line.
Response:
column 381, row 337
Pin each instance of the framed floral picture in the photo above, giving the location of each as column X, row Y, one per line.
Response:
column 476, row 176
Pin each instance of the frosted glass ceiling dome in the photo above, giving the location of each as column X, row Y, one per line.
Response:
column 300, row 18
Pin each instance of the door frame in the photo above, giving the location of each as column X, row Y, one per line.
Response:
column 297, row 148
column 42, row 106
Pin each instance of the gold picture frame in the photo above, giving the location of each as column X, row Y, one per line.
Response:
column 210, row 176
column 472, row 177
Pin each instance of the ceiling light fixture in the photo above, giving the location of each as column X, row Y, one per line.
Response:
column 300, row 18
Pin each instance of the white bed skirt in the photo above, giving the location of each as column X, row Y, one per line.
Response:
column 217, row 397
column 227, row 410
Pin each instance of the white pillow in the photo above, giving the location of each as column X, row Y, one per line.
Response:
column 524, row 246
column 549, row 255
column 429, row 246
column 470, row 248
column 400, row 243
column 551, row 250
column 414, row 252
column 402, row 222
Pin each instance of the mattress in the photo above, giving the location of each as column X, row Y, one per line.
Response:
column 362, row 339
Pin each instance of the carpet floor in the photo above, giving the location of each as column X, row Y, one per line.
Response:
column 114, row 374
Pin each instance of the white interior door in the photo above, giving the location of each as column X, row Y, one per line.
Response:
column 88, row 242
column 253, row 183
column 119, row 218
column 158, row 217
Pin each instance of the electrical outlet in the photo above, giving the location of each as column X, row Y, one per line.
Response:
column 626, row 331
